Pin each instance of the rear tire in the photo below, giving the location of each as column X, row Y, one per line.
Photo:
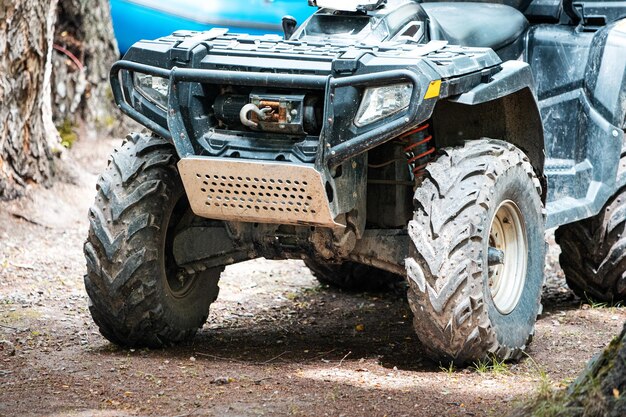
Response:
column 593, row 253
column 353, row 276
column 138, row 295
column 593, row 250
column 480, row 196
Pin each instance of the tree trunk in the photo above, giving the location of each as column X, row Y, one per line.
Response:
column 27, row 135
column 50, row 77
column 600, row 390
column 84, row 49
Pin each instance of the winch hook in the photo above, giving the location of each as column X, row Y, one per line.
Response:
column 261, row 113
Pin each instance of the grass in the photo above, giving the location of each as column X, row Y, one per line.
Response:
column 499, row 367
column 547, row 401
column 551, row 402
column 481, row 366
column 490, row 365
column 450, row 369
column 596, row 304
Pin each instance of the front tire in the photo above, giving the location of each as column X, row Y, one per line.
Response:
column 138, row 295
column 475, row 269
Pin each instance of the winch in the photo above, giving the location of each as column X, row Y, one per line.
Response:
column 298, row 114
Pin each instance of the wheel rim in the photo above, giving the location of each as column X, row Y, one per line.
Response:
column 508, row 257
column 179, row 281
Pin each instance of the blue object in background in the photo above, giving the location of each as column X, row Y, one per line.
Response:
column 134, row 20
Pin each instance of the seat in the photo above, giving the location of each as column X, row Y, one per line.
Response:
column 494, row 26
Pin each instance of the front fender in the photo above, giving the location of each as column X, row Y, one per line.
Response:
column 515, row 76
column 504, row 108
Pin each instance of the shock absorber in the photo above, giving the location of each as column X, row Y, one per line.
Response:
column 419, row 147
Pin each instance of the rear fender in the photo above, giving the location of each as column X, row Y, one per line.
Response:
column 605, row 77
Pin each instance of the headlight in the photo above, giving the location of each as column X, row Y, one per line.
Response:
column 379, row 102
column 152, row 88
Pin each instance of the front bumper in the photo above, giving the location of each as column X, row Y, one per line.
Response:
column 178, row 75
column 263, row 191
column 334, row 152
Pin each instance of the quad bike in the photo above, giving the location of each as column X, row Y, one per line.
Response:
column 379, row 140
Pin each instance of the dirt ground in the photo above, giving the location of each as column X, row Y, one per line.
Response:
column 275, row 344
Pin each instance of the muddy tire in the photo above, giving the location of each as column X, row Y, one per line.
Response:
column 593, row 253
column 353, row 276
column 138, row 295
column 475, row 269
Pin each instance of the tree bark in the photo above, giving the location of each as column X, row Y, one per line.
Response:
column 599, row 391
column 84, row 50
column 27, row 135
column 50, row 77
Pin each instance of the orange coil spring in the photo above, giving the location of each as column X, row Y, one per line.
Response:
column 419, row 148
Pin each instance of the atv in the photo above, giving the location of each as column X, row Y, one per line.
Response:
column 432, row 142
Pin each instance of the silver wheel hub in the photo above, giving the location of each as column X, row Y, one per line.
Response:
column 507, row 256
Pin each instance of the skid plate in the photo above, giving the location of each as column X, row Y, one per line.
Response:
column 256, row 191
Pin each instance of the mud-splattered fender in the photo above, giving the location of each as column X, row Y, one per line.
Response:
column 605, row 77
column 505, row 108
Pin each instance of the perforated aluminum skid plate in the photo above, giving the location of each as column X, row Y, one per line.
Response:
column 254, row 191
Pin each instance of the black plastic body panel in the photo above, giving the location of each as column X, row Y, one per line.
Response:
column 496, row 26
column 581, row 78
column 601, row 12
